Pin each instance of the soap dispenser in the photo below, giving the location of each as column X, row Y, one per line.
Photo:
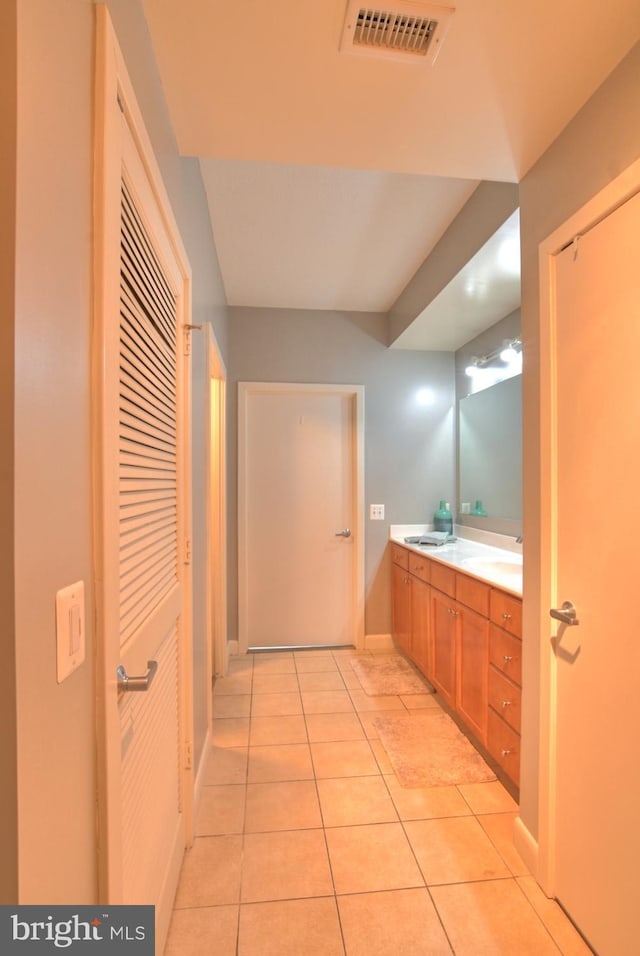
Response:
column 479, row 510
column 443, row 519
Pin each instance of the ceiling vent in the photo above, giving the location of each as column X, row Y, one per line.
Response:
column 401, row 30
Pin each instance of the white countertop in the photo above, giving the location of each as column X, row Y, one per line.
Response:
column 500, row 566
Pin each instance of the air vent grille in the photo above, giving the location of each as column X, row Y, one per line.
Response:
column 407, row 30
column 393, row 31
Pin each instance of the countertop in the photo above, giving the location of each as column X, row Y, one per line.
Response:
column 501, row 567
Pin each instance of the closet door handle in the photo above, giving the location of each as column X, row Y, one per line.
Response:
column 345, row 533
column 126, row 683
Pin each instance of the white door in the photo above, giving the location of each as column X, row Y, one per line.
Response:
column 597, row 329
column 141, row 467
column 300, row 538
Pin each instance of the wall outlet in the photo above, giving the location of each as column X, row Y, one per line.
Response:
column 376, row 512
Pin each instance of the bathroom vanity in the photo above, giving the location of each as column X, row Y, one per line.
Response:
column 457, row 614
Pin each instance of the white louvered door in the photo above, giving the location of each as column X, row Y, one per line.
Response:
column 142, row 476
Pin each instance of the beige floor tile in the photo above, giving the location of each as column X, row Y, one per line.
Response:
column 454, row 850
column 334, row 727
column 499, row 829
column 426, row 803
column 350, row 679
column 363, row 702
column 279, row 763
column 240, row 663
column 276, row 705
column 419, row 701
column 398, row 921
column 236, row 682
column 282, row 806
column 492, row 918
column 290, row 928
column 322, row 664
column 382, row 757
column 275, row 683
column 221, row 810
column 369, row 858
column 288, row 865
column 278, row 663
column 278, row 730
column 230, row 731
column 231, row 705
column 321, row 680
column 326, row 702
column 309, row 653
column 488, row 797
column 564, row 933
column 210, row 872
column 368, row 719
column 349, row 801
column 206, row 929
column 343, row 758
column 225, row 765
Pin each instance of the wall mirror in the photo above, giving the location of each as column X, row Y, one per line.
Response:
column 490, row 452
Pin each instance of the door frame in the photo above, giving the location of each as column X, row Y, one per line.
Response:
column 356, row 394
column 215, row 514
column 615, row 194
column 115, row 99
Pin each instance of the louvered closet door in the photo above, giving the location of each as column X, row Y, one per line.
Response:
column 149, row 580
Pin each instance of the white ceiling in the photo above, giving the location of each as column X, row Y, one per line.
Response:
column 331, row 176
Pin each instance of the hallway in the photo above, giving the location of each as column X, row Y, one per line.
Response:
column 305, row 842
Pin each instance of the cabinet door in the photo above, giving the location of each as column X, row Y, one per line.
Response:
column 401, row 608
column 473, row 666
column 420, row 630
column 444, row 624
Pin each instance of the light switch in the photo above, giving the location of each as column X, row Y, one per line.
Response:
column 376, row 512
column 70, row 629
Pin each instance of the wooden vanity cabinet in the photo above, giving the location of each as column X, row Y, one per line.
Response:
column 465, row 636
column 505, row 682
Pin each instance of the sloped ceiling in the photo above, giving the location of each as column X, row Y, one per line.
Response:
column 330, row 176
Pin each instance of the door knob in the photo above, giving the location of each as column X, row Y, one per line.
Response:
column 126, row 683
column 567, row 613
column 345, row 533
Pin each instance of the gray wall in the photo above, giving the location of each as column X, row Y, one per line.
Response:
column 409, row 448
column 599, row 143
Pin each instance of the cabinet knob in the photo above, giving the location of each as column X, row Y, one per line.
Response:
column 506, row 616
column 507, row 658
column 506, row 753
column 505, row 703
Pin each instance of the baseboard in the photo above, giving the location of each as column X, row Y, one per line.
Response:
column 198, row 784
column 526, row 846
column 378, row 642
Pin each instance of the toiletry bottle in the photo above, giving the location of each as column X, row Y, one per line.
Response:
column 443, row 519
column 479, row 510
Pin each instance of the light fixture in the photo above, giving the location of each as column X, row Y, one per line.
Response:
column 496, row 366
column 511, row 350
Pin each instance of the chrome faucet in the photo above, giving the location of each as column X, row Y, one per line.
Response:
column 519, row 539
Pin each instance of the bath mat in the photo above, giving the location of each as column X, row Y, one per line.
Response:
column 428, row 750
column 389, row 674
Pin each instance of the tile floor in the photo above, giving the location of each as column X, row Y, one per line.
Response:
column 307, row 844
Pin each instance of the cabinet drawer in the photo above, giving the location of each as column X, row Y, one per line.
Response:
column 505, row 653
column 506, row 610
column 473, row 593
column 504, row 697
column 443, row 578
column 419, row 566
column 503, row 743
column 400, row 556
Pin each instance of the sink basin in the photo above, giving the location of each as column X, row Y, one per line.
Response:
column 500, row 566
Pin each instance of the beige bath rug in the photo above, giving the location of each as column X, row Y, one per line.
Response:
column 428, row 750
column 389, row 674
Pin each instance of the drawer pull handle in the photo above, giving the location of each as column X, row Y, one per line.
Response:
column 505, row 703
column 506, row 616
column 507, row 658
column 506, row 753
